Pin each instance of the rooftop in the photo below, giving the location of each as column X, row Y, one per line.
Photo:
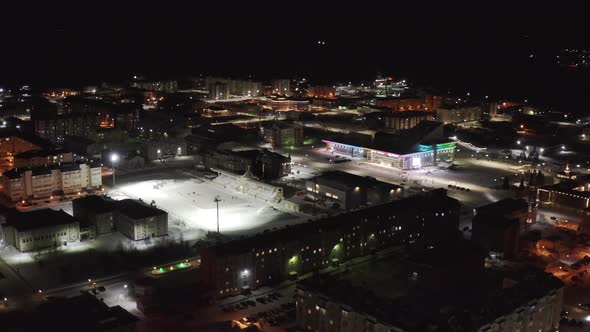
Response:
column 40, row 170
column 95, row 203
column 24, row 221
column 393, row 291
column 80, row 313
column 135, row 209
column 40, row 153
column 504, row 206
column 342, row 180
column 428, row 201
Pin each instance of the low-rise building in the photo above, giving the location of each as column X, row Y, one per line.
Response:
column 97, row 212
column 40, row 229
column 349, row 191
column 138, row 220
column 570, row 193
column 229, row 268
column 46, row 181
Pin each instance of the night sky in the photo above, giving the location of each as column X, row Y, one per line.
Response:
column 485, row 51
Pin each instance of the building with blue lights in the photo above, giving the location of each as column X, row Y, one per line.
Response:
column 423, row 146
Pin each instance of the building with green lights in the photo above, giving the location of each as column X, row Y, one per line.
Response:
column 423, row 145
column 283, row 134
column 230, row 268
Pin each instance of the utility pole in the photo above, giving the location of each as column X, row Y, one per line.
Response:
column 315, row 190
column 217, row 200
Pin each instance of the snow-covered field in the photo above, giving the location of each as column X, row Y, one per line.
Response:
column 191, row 202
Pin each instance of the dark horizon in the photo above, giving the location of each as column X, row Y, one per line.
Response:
column 485, row 54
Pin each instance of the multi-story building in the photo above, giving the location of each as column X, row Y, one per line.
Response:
column 426, row 103
column 40, row 229
column 246, row 88
column 510, row 208
column 14, row 143
column 37, row 158
column 407, row 120
column 270, row 257
column 281, row 134
column 321, row 91
column 158, row 86
column 281, row 87
column 95, row 211
column 434, row 293
column 218, row 91
column 55, row 129
column 138, row 220
column 44, row 182
column 349, row 191
column 459, row 114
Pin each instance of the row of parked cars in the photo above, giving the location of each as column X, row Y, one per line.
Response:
column 452, row 186
column 251, row 303
column 276, row 316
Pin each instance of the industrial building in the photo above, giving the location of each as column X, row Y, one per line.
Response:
column 270, row 257
column 40, row 229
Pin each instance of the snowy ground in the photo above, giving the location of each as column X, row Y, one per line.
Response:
column 190, row 205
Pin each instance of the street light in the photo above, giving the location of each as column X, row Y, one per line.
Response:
column 217, row 199
column 114, row 158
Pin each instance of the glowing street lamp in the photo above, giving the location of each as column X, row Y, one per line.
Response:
column 114, row 158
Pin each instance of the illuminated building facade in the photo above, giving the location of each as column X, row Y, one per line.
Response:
column 321, row 91
column 461, row 114
column 45, row 182
column 406, row 120
column 232, row 267
column 37, row 158
column 40, row 229
column 281, row 87
column 139, row 221
column 416, row 157
column 283, row 134
column 349, row 191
